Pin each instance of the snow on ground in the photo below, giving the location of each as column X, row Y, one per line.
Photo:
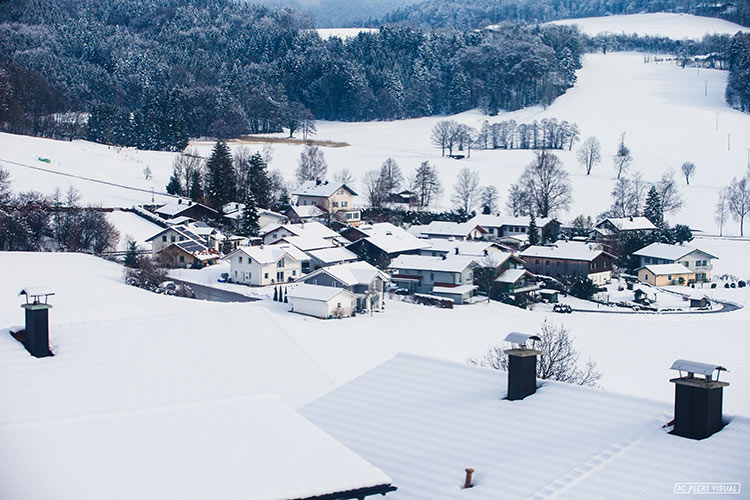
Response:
column 677, row 26
column 98, row 323
column 343, row 33
column 132, row 227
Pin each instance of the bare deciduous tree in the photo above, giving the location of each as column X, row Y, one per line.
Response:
column 558, row 361
column 373, row 189
column 721, row 212
column 518, row 203
column 444, row 135
column 425, row 183
column 669, row 195
column 589, row 154
column 391, row 177
column 622, row 158
column 488, row 200
column 311, row 165
column 466, row 190
column 739, row 200
column 688, row 168
column 344, row 176
column 546, row 183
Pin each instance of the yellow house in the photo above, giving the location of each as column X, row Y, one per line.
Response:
column 666, row 274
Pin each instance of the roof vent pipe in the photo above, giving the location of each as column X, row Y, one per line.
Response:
column 467, row 482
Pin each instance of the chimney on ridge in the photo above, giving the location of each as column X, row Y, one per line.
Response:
column 697, row 401
column 521, row 365
column 36, row 335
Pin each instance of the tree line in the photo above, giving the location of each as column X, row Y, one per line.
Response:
column 151, row 73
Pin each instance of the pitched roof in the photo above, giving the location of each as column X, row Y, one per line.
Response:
column 451, row 264
column 180, row 230
column 305, row 211
column 565, row 250
column 487, row 220
column 668, row 252
column 460, row 289
column 266, row 254
column 312, row 228
column 465, row 247
column 443, row 228
column 324, row 189
column 664, row 269
column 306, row 243
column 350, row 274
column 174, row 208
column 315, row 292
column 390, row 238
column 423, row 421
column 512, row 275
column 180, row 452
column 333, row 254
column 629, row 223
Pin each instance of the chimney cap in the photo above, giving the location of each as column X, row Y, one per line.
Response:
column 521, row 339
column 36, row 293
column 707, row 369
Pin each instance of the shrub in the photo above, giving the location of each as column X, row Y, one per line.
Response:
column 146, row 275
column 741, row 284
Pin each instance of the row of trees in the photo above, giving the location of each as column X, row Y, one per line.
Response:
column 30, row 221
column 549, row 133
column 734, row 201
column 149, row 72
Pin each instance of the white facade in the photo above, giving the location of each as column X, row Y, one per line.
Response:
column 321, row 301
column 268, row 268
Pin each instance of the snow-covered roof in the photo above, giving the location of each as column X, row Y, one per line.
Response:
column 197, row 250
column 512, row 275
column 460, row 289
column 629, row 223
column 266, row 254
column 391, row 239
column 664, row 269
column 307, row 242
column 315, row 292
column 443, row 228
column 176, row 207
column 423, row 421
column 475, row 248
column 486, row 220
column 308, row 211
column 324, row 189
column 668, row 252
column 312, row 228
column 333, row 254
column 351, row 273
column 566, row 250
column 179, row 220
column 451, row 264
column 208, row 449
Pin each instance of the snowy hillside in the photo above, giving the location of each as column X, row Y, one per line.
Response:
column 677, row 26
column 228, row 349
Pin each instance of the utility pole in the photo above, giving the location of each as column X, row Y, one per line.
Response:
column 717, row 120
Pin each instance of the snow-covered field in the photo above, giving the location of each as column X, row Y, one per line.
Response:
column 661, row 108
column 261, row 347
column 677, row 26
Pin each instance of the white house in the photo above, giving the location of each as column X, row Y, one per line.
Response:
column 442, row 229
column 265, row 264
column 308, row 231
column 365, row 281
column 321, row 301
column 696, row 260
column 612, row 226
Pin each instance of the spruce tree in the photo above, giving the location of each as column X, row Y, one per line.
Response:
column 259, row 183
column 533, row 231
column 275, row 294
column 286, row 296
column 174, row 186
column 131, row 256
column 653, row 210
column 220, row 176
column 196, row 186
column 249, row 225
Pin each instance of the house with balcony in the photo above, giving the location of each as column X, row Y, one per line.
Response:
column 515, row 230
column 613, row 226
column 451, row 277
column 570, row 258
column 333, row 197
column 695, row 259
column 265, row 264
column 365, row 281
column 666, row 274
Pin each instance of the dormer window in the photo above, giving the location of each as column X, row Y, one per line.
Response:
column 280, row 263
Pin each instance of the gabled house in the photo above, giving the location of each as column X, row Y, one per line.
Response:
column 516, row 280
column 305, row 213
column 365, row 281
column 455, row 230
column 308, row 230
column 325, row 302
column 332, row 256
column 474, row 248
column 333, row 197
column 501, row 227
column 188, row 254
column 186, row 208
column 232, row 214
column 381, row 242
column 265, row 264
column 612, row 226
column 566, row 258
column 695, row 259
column 434, row 275
column 666, row 274
column 170, row 235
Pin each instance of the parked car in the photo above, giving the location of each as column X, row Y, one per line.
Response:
column 223, row 278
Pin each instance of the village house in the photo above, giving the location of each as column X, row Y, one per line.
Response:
column 365, row 281
column 186, row 208
column 516, row 281
column 568, row 258
column 455, row 230
column 451, row 277
column 305, row 213
column 500, row 227
column 696, row 260
column 187, row 254
column 381, row 242
column 265, row 264
column 474, row 248
column 333, row 197
column 612, row 226
column 325, row 302
column 325, row 257
column 232, row 214
column 666, row 274
column 272, row 233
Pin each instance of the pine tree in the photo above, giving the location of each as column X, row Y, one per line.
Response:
column 533, row 231
column 249, row 225
column 220, row 177
column 286, row 298
column 653, row 210
column 259, row 184
column 174, row 186
column 275, row 294
column 131, row 256
column 196, row 186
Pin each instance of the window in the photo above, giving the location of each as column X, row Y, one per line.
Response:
column 344, row 203
column 164, row 238
column 669, row 277
column 432, row 276
column 304, row 202
column 172, row 239
column 348, row 216
column 235, row 274
column 248, row 275
column 546, row 263
column 265, row 275
column 294, row 273
column 523, row 229
column 338, row 305
column 182, row 258
column 275, row 235
column 335, row 204
column 536, row 262
column 558, row 263
column 240, row 259
column 182, row 238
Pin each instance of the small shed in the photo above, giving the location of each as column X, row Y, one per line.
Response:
column 320, row 301
column 699, row 303
column 460, row 294
column 549, row 295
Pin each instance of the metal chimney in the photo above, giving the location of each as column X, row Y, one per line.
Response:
column 36, row 334
column 521, row 366
column 697, row 401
